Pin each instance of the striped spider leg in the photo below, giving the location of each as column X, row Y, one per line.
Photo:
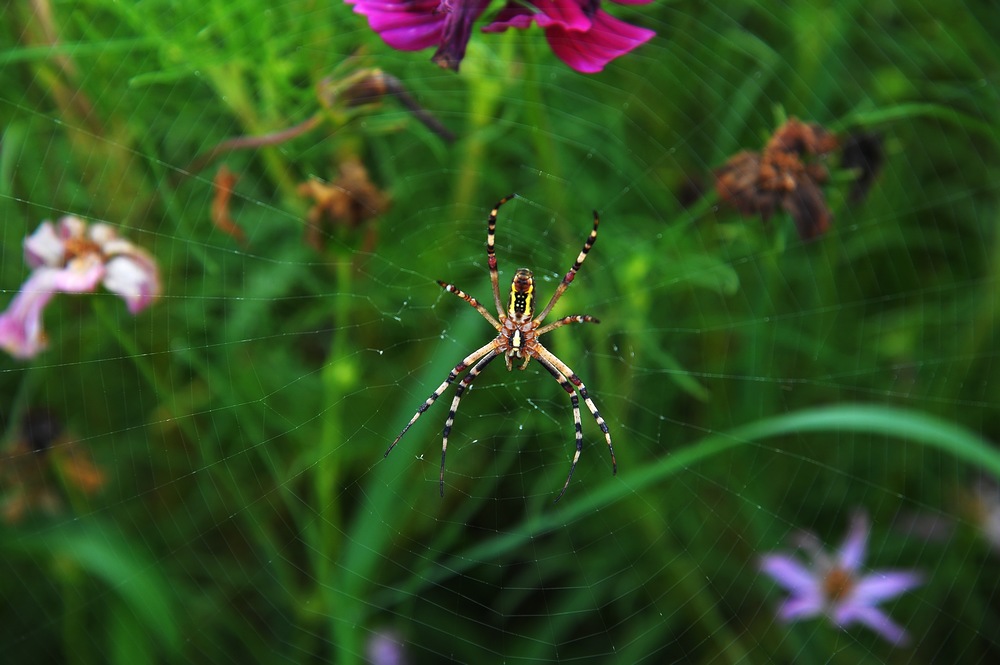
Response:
column 518, row 331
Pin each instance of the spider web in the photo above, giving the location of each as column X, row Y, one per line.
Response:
column 756, row 385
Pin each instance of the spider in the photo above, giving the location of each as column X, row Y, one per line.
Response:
column 517, row 338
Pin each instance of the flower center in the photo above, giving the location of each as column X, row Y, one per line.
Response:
column 77, row 247
column 837, row 584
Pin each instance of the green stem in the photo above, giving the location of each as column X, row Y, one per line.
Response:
column 138, row 357
column 340, row 375
column 77, row 642
column 485, row 91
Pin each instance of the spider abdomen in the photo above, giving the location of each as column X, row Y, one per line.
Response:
column 522, row 295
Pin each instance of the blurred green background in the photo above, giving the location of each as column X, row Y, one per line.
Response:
column 755, row 384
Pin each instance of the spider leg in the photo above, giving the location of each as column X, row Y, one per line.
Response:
column 462, row 385
column 451, row 288
column 575, row 401
column 491, row 256
column 544, row 355
column 591, row 239
column 579, row 318
column 471, row 358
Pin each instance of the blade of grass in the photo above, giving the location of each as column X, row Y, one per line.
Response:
column 909, row 426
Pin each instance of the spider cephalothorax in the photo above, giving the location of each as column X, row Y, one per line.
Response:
column 518, row 330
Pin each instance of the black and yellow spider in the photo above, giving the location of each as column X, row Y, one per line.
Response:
column 517, row 337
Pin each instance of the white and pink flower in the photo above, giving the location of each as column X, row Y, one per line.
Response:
column 72, row 257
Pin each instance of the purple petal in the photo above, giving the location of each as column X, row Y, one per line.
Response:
column 590, row 51
column 791, row 574
column 883, row 585
column 386, row 649
column 456, row 31
column 135, row 278
column 852, row 552
column 872, row 617
column 511, row 16
column 801, row 607
column 547, row 13
column 568, row 14
column 407, row 25
column 44, row 247
column 369, row 7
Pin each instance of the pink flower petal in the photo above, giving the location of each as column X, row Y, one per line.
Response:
column 590, row 51
column 407, row 32
column 135, row 278
column 104, row 234
column 71, row 227
column 130, row 271
column 568, row 14
column 44, row 247
column 21, row 332
column 404, row 25
column 511, row 16
column 81, row 275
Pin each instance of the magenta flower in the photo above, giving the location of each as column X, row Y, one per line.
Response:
column 581, row 34
column 72, row 258
column 833, row 586
column 413, row 25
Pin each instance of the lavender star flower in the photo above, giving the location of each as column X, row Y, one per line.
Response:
column 834, row 586
column 386, row 648
column 578, row 31
column 72, row 258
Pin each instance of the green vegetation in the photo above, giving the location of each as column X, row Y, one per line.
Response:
column 755, row 384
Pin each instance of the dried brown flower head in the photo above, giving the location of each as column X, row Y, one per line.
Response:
column 779, row 176
column 38, row 462
column 347, row 202
column 370, row 86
